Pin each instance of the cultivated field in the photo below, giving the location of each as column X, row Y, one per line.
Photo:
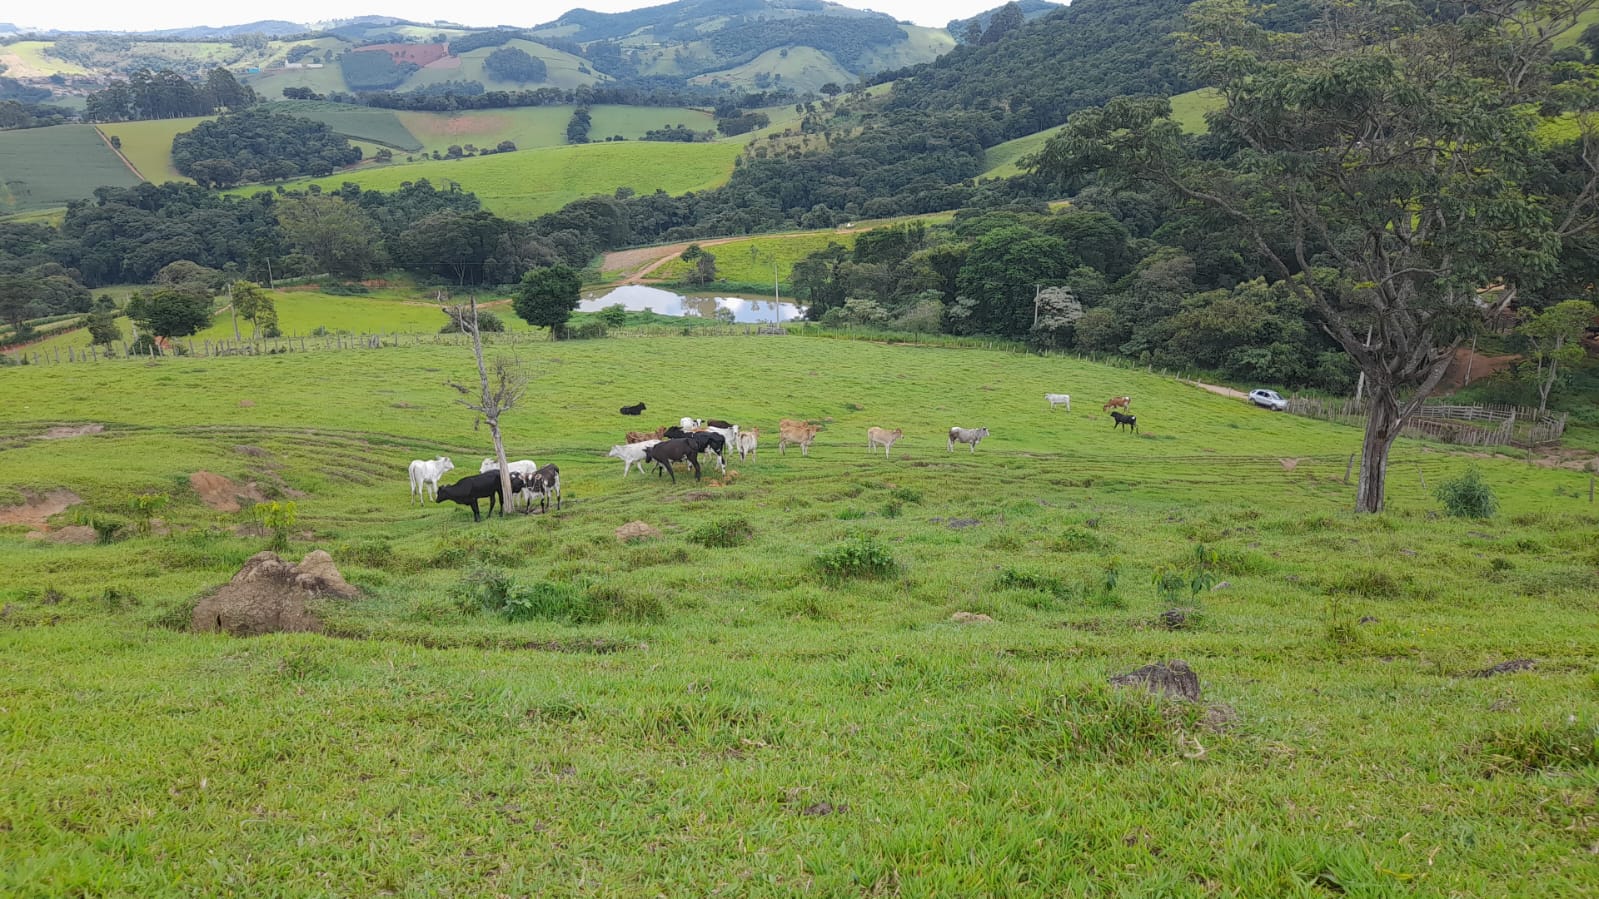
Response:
column 543, row 126
column 45, row 168
column 771, row 696
column 529, row 183
column 148, row 144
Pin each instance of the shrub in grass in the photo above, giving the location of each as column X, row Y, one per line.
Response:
column 117, row 597
column 144, row 507
column 906, row 494
column 723, row 532
column 1468, row 496
column 859, row 555
column 1075, row 539
column 278, row 519
column 622, row 604
column 1016, row 579
column 551, row 601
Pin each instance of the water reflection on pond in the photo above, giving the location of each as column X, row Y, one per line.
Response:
column 639, row 298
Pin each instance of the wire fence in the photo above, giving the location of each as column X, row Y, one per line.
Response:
column 1482, row 424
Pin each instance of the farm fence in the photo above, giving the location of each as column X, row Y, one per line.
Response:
column 1481, row 424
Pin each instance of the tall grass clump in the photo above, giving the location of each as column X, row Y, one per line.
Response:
column 1468, row 496
column 723, row 532
column 860, row 555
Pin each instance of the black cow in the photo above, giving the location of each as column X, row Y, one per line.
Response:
column 710, row 440
column 1130, row 420
column 682, row 449
column 718, row 423
column 676, row 433
column 468, row 490
column 633, row 410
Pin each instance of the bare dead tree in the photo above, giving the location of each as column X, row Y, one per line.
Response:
column 496, row 394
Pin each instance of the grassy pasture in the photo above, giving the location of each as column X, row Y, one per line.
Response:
column 802, row 68
column 737, row 264
column 148, row 145
column 529, row 183
column 562, row 69
column 543, row 126
column 1002, row 158
column 28, row 59
column 1188, row 110
column 759, row 728
column 379, row 126
column 44, row 168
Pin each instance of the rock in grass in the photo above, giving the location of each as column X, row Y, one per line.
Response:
column 1173, row 679
column 635, row 531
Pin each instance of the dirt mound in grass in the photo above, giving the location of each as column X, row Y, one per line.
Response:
column 77, row 533
column 222, row 494
column 269, row 596
column 636, row 530
column 1173, row 679
column 37, row 508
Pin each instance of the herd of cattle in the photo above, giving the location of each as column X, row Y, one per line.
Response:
column 682, row 443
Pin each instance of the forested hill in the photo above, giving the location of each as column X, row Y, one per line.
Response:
column 1078, row 57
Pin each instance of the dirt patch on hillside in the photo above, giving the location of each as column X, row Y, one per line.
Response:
column 37, row 508
column 1468, row 366
column 75, row 533
column 62, row 432
column 221, row 494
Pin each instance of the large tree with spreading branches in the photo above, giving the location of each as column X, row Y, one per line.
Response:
column 1385, row 165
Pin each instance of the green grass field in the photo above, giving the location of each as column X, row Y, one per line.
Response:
column 44, row 168
column 562, row 69
column 1188, row 110
column 748, row 260
column 148, row 144
column 529, row 183
column 802, row 69
column 746, row 704
column 1002, row 158
column 365, row 123
column 27, row 58
column 543, row 126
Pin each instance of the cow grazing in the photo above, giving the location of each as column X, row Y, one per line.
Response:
column 1059, row 399
column 641, row 436
column 484, row 485
column 542, row 484
column 747, row 441
column 666, row 452
column 729, row 433
column 1118, row 402
column 425, row 474
column 631, row 454
column 797, row 432
column 1131, row 421
column 876, row 437
column 968, row 436
column 633, row 410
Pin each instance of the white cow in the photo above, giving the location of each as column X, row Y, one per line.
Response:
column 523, row 467
column 425, row 474
column 884, row 438
column 631, row 454
column 968, row 436
column 1059, row 399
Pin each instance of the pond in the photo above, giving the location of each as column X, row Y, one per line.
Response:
column 640, row 298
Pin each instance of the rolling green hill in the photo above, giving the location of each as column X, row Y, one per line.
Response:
column 771, row 690
column 44, row 168
column 378, row 126
column 800, row 68
column 529, row 183
column 563, row 69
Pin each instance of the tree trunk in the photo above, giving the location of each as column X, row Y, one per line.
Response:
column 491, row 412
column 1383, row 424
column 233, row 310
column 1548, row 383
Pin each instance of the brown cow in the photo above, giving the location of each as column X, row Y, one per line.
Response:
column 791, row 431
column 1118, row 402
column 641, row 437
column 876, row 437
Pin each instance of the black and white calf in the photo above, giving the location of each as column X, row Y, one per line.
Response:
column 1131, row 421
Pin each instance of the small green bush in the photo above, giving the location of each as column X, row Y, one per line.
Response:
column 724, row 532
column 1468, row 496
column 278, row 518
column 859, row 555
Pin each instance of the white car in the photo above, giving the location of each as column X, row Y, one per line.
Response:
column 1268, row 399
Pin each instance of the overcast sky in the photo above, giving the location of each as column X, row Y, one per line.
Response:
column 122, row 15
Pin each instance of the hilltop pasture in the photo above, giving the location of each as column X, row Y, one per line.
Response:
column 771, row 695
column 529, row 183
